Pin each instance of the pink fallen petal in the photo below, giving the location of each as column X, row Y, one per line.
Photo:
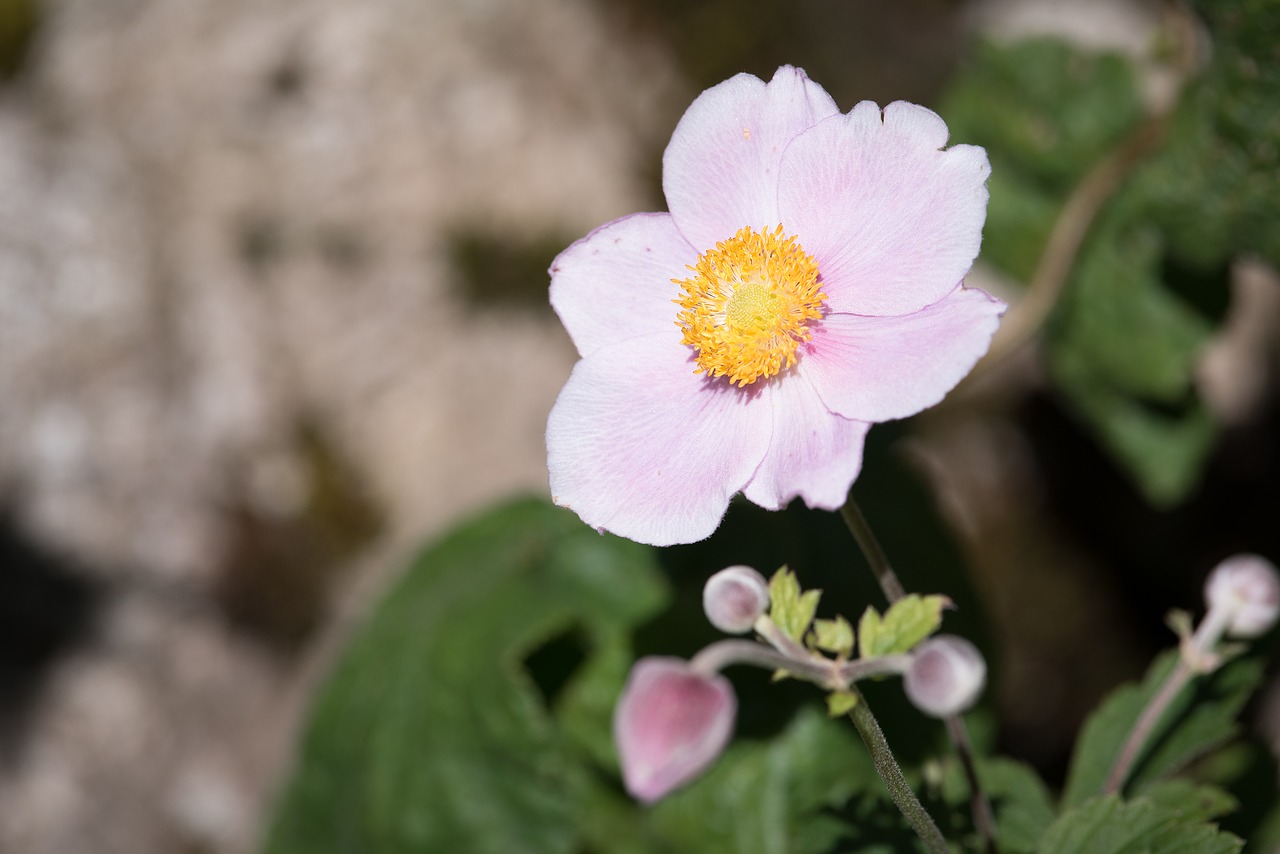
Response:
column 720, row 170
column 669, row 725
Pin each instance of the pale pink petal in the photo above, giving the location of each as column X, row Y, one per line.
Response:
column 616, row 282
column 881, row 368
column 720, row 170
column 892, row 221
column 639, row 445
column 814, row 453
column 670, row 724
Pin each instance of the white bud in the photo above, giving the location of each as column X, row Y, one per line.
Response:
column 734, row 597
column 947, row 674
column 1248, row 589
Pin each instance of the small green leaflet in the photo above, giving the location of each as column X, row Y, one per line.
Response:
column 841, row 703
column 834, row 636
column 907, row 622
column 789, row 608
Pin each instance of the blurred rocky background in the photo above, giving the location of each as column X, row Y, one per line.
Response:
column 273, row 310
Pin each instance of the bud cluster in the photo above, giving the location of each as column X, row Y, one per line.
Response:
column 675, row 717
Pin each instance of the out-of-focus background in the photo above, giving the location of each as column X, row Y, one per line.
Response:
column 273, row 310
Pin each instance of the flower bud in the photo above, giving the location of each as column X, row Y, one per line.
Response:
column 1248, row 587
column 734, row 597
column 671, row 722
column 947, row 674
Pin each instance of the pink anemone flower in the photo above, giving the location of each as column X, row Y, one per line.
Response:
column 807, row 282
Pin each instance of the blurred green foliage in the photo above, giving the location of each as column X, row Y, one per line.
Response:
column 434, row 734
column 1150, row 284
column 445, row 727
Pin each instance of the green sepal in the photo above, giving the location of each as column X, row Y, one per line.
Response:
column 841, row 703
column 834, row 636
column 907, row 622
column 790, row 608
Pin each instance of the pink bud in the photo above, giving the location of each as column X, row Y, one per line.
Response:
column 1248, row 587
column 947, row 674
column 734, row 597
column 670, row 724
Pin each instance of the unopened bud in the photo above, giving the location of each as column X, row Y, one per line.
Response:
column 1248, row 589
column 671, row 722
column 947, row 674
column 734, row 597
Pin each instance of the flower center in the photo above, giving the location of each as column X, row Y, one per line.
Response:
column 748, row 305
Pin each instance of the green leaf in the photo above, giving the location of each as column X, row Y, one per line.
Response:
column 1193, row 801
column 789, row 608
column 430, row 734
column 868, row 632
column 907, row 622
column 1111, row 826
column 1215, row 187
column 1201, row 718
column 1124, row 349
column 834, row 636
column 840, row 703
column 1049, row 109
column 771, row 798
column 1019, row 798
column 1021, row 802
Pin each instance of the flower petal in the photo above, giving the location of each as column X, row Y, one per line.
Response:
column 814, row 453
column 720, row 170
column 881, row 368
column 616, row 282
column 670, row 724
column 892, row 221
column 639, row 445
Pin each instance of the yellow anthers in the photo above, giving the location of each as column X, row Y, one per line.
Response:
column 748, row 305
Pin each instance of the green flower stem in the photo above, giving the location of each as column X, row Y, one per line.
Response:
column 1146, row 723
column 1197, row 656
column 894, row 781
column 888, row 579
column 980, row 807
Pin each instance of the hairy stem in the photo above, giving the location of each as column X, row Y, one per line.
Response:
column 894, row 781
column 1146, row 724
column 980, row 807
column 1196, row 656
column 887, row 578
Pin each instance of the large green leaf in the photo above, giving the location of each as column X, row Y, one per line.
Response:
column 1045, row 113
column 1202, row 717
column 772, row 798
column 430, row 735
column 1150, row 282
column 1111, row 826
column 1124, row 350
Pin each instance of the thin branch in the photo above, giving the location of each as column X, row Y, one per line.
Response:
column 887, row 767
column 983, row 819
column 879, row 561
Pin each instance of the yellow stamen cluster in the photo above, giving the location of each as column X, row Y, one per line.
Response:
column 748, row 305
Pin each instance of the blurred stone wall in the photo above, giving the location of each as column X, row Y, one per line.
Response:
column 239, row 349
